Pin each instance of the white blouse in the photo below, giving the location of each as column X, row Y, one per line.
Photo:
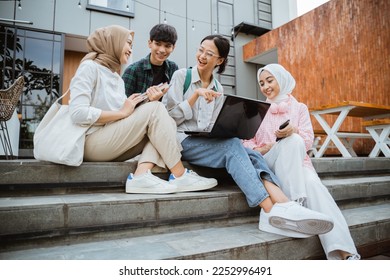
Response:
column 202, row 115
column 93, row 89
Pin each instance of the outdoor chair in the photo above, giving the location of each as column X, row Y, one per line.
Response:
column 8, row 100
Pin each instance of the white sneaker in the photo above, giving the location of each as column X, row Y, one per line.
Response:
column 264, row 225
column 190, row 181
column 293, row 217
column 148, row 183
column 354, row 257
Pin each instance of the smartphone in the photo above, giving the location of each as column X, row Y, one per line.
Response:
column 163, row 86
column 144, row 99
column 144, row 96
column 283, row 125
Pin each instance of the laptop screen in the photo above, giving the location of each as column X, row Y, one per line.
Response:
column 239, row 117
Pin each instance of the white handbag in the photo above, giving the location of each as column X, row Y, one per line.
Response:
column 57, row 139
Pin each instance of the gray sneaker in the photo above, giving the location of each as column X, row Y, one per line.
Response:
column 148, row 183
column 190, row 181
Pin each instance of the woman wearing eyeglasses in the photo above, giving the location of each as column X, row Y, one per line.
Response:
column 194, row 101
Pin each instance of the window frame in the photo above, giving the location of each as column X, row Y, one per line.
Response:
column 108, row 10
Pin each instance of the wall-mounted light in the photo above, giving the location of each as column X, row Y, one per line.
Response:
column 165, row 17
column 79, row 4
column 19, row 5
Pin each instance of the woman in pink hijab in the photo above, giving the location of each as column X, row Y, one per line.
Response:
column 288, row 157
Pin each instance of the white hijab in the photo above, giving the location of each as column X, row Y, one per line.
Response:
column 285, row 80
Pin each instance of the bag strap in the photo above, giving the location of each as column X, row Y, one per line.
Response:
column 187, row 81
column 62, row 96
column 93, row 99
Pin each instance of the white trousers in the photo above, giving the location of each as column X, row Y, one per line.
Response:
column 298, row 181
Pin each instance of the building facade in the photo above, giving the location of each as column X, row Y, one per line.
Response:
column 44, row 40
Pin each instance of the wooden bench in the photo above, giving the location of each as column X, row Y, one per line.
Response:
column 343, row 141
column 346, row 137
column 376, row 122
column 314, row 148
column 379, row 130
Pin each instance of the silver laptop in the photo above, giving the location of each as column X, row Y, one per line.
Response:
column 239, row 117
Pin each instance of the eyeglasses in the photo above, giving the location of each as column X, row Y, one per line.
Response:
column 208, row 54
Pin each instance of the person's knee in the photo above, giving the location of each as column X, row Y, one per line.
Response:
column 294, row 140
column 234, row 144
column 155, row 108
column 234, row 141
column 149, row 108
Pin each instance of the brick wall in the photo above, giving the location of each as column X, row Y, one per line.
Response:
column 339, row 51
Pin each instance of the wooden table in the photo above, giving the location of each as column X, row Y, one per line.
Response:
column 343, row 141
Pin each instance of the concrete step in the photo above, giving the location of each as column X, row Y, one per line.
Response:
column 368, row 225
column 17, row 174
column 44, row 205
column 28, row 218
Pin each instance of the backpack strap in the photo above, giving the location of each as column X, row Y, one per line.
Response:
column 187, row 81
column 215, row 87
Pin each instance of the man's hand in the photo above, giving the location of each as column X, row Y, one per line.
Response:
column 154, row 93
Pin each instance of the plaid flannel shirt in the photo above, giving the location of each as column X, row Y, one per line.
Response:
column 138, row 76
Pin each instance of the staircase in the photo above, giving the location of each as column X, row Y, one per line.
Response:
column 48, row 211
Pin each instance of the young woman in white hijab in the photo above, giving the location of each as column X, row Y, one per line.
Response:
column 288, row 157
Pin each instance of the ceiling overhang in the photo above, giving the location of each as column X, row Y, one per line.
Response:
column 249, row 29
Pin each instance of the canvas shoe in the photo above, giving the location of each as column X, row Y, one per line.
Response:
column 190, row 181
column 148, row 183
column 291, row 216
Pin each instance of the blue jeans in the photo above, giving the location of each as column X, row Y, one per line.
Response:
column 247, row 167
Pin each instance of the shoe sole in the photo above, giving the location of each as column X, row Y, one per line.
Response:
column 194, row 189
column 270, row 229
column 308, row 226
column 150, row 191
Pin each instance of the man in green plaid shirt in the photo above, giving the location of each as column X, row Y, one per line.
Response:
column 155, row 68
